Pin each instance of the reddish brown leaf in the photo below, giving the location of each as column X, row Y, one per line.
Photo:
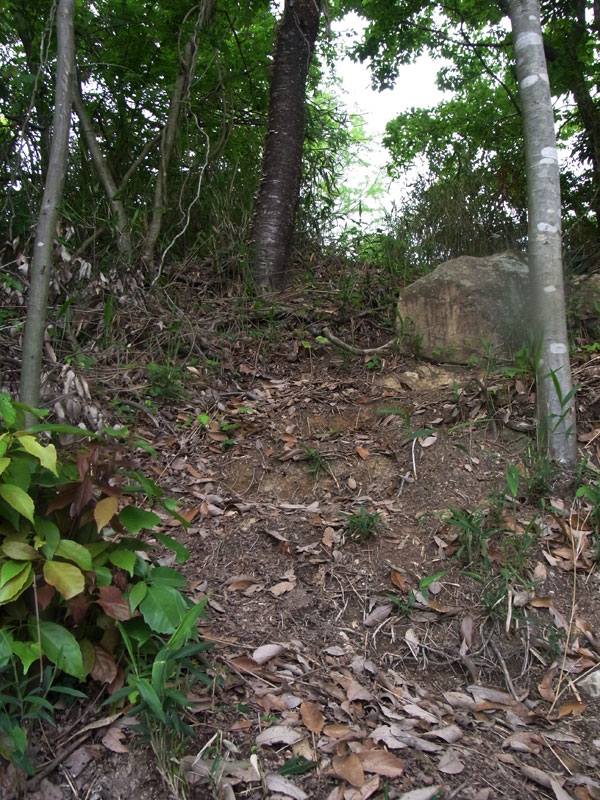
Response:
column 113, row 740
column 545, row 685
column 381, row 762
column 574, row 708
column 78, row 607
column 350, row 769
column 399, row 580
column 113, row 603
column 312, row 717
column 44, row 595
column 104, row 669
column 362, row 452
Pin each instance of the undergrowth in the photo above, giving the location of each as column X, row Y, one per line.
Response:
column 82, row 593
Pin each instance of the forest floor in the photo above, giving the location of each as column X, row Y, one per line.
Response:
column 383, row 599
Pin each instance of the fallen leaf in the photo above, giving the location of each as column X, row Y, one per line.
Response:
column 413, row 710
column 362, row 452
column 277, row 783
column 449, row 733
column 369, row 788
column 77, row 761
column 266, row 652
column 378, row 615
column 282, row 587
column 356, row 691
column 381, row 762
column 312, row 717
column 279, row 734
column 545, row 686
column 413, row 642
column 524, row 742
column 574, row 708
column 450, row 764
column 559, row 792
column 240, row 583
column 349, row 769
column 113, row 740
column 400, row 580
column 426, row 793
column 466, row 631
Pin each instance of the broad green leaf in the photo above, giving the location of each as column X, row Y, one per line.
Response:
column 45, row 455
column 20, row 551
column 137, row 629
column 512, row 479
column 150, row 697
column 163, row 608
column 165, row 576
column 18, row 472
column 182, row 553
column 136, row 519
column 18, row 499
column 105, row 510
column 60, row 647
column 10, row 569
column 5, row 440
column 53, row 427
column 50, row 535
column 17, row 585
column 137, row 594
column 4, row 462
column 73, row 551
column 88, row 654
column 7, row 410
column 6, row 646
column 184, row 631
column 28, row 652
column 66, row 578
column 125, row 559
column 103, row 576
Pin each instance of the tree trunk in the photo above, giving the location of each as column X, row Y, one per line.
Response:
column 555, row 396
column 41, row 263
column 282, row 164
column 103, row 171
column 187, row 68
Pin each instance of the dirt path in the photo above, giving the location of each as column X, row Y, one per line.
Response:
column 380, row 603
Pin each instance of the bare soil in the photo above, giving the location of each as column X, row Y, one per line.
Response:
column 419, row 659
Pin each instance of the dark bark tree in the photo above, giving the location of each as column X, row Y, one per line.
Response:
column 555, row 402
column 282, row 161
column 41, row 263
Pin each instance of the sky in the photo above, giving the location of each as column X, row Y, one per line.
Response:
column 415, row 87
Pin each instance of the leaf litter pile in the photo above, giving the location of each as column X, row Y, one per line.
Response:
column 402, row 602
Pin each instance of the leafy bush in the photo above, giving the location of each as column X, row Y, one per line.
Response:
column 78, row 575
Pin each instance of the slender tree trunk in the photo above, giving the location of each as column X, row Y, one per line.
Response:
column 41, row 264
column 103, row 171
column 282, row 163
column 555, row 401
column 187, row 68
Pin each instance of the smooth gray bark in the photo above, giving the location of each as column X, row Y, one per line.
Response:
column 107, row 180
column 555, row 396
column 41, row 263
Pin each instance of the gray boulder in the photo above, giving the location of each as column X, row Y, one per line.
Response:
column 467, row 309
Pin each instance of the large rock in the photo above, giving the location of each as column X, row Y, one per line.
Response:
column 467, row 309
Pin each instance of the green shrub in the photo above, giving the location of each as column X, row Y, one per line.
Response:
column 77, row 569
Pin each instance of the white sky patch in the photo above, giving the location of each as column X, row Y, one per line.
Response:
column 415, row 87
